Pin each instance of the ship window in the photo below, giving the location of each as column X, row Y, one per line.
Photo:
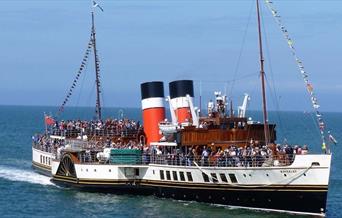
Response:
column 41, row 159
column 175, row 177
column 188, row 174
column 49, row 161
column 205, row 177
column 181, row 176
column 214, row 177
column 168, row 175
column 223, row 177
column 136, row 172
column 161, row 172
column 232, row 177
column 315, row 164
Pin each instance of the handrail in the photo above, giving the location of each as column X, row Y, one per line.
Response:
column 129, row 133
column 90, row 157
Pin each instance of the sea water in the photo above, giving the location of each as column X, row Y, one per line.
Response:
column 24, row 193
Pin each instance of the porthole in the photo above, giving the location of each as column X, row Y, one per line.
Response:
column 304, row 174
column 94, row 170
column 250, row 175
column 86, row 170
column 184, row 196
column 244, row 175
column 153, row 172
column 209, row 197
column 197, row 197
column 110, row 170
column 285, row 175
column 267, row 174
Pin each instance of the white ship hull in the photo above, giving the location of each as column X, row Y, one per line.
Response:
column 300, row 188
column 41, row 161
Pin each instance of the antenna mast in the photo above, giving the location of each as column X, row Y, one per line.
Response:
column 97, row 71
column 262, row 76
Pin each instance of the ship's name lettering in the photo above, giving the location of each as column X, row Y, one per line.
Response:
column 288, row 171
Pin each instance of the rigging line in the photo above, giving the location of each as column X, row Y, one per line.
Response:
column 274, row 94
column 74, row 84
column 304, row 74
column 314, row 122
column 242, row 48
column 277, row 112
column 91, row 95
column 82, row 84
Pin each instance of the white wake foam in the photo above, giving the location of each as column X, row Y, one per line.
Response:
column 29, row 176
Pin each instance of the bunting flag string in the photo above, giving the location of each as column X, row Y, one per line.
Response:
column 78, row 74
column 304, row 73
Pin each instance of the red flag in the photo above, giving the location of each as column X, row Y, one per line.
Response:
column 49, row 120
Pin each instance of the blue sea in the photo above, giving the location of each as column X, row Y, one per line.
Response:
column 24, row 193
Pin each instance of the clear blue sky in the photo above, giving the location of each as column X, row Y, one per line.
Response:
column 42, row 43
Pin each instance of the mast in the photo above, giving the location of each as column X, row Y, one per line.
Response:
column 262, row 76
column 97, row 71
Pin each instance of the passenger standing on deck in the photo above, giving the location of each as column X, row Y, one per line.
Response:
column 205, row 156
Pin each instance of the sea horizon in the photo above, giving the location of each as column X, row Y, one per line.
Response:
column 166, row 107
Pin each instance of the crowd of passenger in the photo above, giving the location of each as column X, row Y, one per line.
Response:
column 252, row 155
column 44, row 143
column 108, row 127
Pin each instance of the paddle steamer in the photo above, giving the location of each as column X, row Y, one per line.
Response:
column 218, row 157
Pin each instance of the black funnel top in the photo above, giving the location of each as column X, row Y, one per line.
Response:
column 152, row 90
column 181, row 88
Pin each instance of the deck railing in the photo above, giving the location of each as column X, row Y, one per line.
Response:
column 73, row 133
column 145, row 159
column 89, row 156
